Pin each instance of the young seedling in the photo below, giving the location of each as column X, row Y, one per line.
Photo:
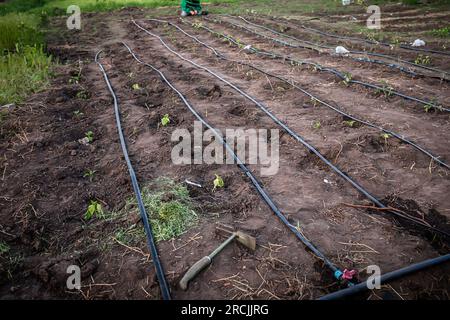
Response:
column 82, row 95
column 386, row 89
column 89, row 136
column 385, row 136
column 78, row 113
column 94, row 209
column 218, row 182
column 350, row 123
column 347, row 78
column 314, row 101
column 89, row 174
column 421, row 59
column 165, row 120
column 316, row 125
column 136, row 86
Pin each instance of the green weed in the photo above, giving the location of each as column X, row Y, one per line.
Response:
column 23, row 72
column 94, row 209
column 316, row 125
column 89, row 174
column 218, row 182
column 169, row 207
column 422, row 59
column 165, row 120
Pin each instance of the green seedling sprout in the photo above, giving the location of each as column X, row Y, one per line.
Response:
column 90, row 136
column 218, row 182
column 94, row 209
column 165, row 120
column 316, row 124
column 89, row 174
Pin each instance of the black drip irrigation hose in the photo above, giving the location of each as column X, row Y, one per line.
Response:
column 331, row 35
column 297, row 138
column 337, row 73
column 387, row 277
column 391, row 65
column 165, row 291
column 264, row 195
column 365, row 122
column 375, row 54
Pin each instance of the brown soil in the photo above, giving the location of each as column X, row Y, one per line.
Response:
column 44, row 194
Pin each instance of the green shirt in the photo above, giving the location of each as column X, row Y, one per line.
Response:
column 191, row 5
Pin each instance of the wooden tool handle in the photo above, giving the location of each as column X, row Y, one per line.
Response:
column 194, row 270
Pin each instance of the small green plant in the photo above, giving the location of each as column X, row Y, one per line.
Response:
column 385, row 136
column 82, row 94
column 427, row 107
column 4, row 248
column 136, row 86
column 347, row 78
column 314, row 101
column 350, row 123
column 94, row 210
column 89, row 174
column 422, row 59
column 218, row 182
column 386, row 89
column 165, row 120
column 197, row 25
column 78, row 113
column 317, row 125
column 89, row 136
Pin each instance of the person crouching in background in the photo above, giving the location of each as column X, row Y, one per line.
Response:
column 192, row 8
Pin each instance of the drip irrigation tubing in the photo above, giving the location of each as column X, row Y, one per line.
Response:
column 373, row 42
column 392, row 65
column 336, row 109
column 297, row 137
column 165, row 291
column 337, row 73
column 375, row 54
column 387, row 277
column 259, row 188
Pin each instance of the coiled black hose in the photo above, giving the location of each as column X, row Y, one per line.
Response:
column 265, row 196
column 391, row 65
column 296, row 137
column 375, row 54
column 337, row 73
column 222, row 56
column 165, row 292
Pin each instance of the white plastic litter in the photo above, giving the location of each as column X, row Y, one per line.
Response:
column 418, row 43
column 247, row 47
column 84, row 141
column 341, row 50
column 346, row 2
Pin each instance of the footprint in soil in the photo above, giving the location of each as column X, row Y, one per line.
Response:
column 213, row 92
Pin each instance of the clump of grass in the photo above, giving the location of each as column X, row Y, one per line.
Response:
column 23, row 72
column 169, row 207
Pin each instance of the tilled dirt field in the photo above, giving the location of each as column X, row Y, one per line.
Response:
column 44, row 194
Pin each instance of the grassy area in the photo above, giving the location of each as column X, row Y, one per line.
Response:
column 19, row 28
column 23, row 72
column 24, row 65
column 58, row 7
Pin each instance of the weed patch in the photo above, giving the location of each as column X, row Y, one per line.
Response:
column 169, row 207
